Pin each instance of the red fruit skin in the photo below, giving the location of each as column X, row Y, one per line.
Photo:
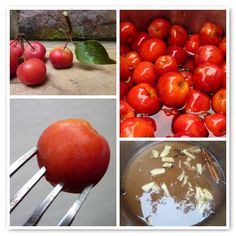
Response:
column 178, row 53
column 192, row 44
column 143, row 99
column 133, row 59
column 190, row 125
column 189, row 64
column 178, row 36
column 61, row 57
column 173, row 89
column 219, row 101
column 145, row 73
column 13, row 64
column 188, row 76
column 216, row 123
column 141, row 37
column 210, row 33
column 38, row 51
column 207, row 78
column 159, row 28
column 32, row 72
column 129, row 82
column 136, row 127
column 124, row 49
column 223, row 69
column 222, row 46
column 73, row 153
column 15, row 48
column 124, row 69
column 126, row 111
column 128, row 32
column 123, row 90
column 151, row 49
column 166, row 64
column 150, row 121
column 209, row 53
column 197, row 102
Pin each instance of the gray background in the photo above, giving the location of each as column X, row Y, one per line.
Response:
column 28, row 118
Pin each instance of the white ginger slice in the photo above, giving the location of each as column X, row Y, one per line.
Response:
column 187, row 164
column 194, row 149
column 188, row 154
column 185, row 180
column 167, row 159
column 165, row 189
column 199, row 168
column 167, row 165
column 157, row 171
column 207, row 194
column 155, row 154
column 166, row 151
column 181, row 176
column 152, row 186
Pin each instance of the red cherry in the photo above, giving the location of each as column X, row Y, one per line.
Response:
column 128, row 32
column 190, row 125
column 151, row 49
column 145, row 73
column 209, row 53
column 197, row 102
column 151, row 121
column 159, row 28
column 126, row 111
column 210, row 33
column 166, row 64
column 178, row 36
column 222, row 46
column 143, row 98
column 35, row 50
column 133, row 59
column 207, row 78
column 13, row 64
column 223, row 69
column 15, row 48
column 193, row 44
column 124, row 69
column 123, row 90
column 219, row 101
column 178, row 53
column 61, row 57
column 141, row 37
column 124, row 49
column 173, row 89
column 136, row 127
column 189, row 64
column 188, row 76
column 73, row 153
column 32, row 72
column 216, row 123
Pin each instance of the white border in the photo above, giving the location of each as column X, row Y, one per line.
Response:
column 143, row 228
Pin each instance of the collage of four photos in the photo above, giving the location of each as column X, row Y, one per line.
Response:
column 119, row 118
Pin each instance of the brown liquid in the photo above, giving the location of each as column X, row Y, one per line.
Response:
column 176, row 210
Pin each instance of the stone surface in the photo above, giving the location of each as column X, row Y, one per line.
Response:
column 51, row 24
column 77, row 80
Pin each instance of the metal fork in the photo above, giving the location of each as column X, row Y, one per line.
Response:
column 37, row 214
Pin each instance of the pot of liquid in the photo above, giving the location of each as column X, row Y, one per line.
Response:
column 173, row 184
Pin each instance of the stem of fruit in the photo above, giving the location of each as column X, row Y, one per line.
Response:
column 70, row 29
column 29, row 43
column 183, row 69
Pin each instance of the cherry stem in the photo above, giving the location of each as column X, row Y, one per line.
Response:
column 29, row 43
column 70, row 29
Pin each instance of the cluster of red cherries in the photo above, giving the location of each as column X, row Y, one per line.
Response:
column 28, row 63
column 172, row 82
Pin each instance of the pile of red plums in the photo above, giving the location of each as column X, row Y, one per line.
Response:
column 28, row 63
column 172, row 82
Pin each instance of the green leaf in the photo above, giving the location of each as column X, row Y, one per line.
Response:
column 92, row 52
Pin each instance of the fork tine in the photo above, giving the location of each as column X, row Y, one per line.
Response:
column 71, row 213
column 22, row 160
column 43, row 206
column 26, row 188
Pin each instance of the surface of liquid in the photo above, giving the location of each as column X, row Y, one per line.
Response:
column 179, row 208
